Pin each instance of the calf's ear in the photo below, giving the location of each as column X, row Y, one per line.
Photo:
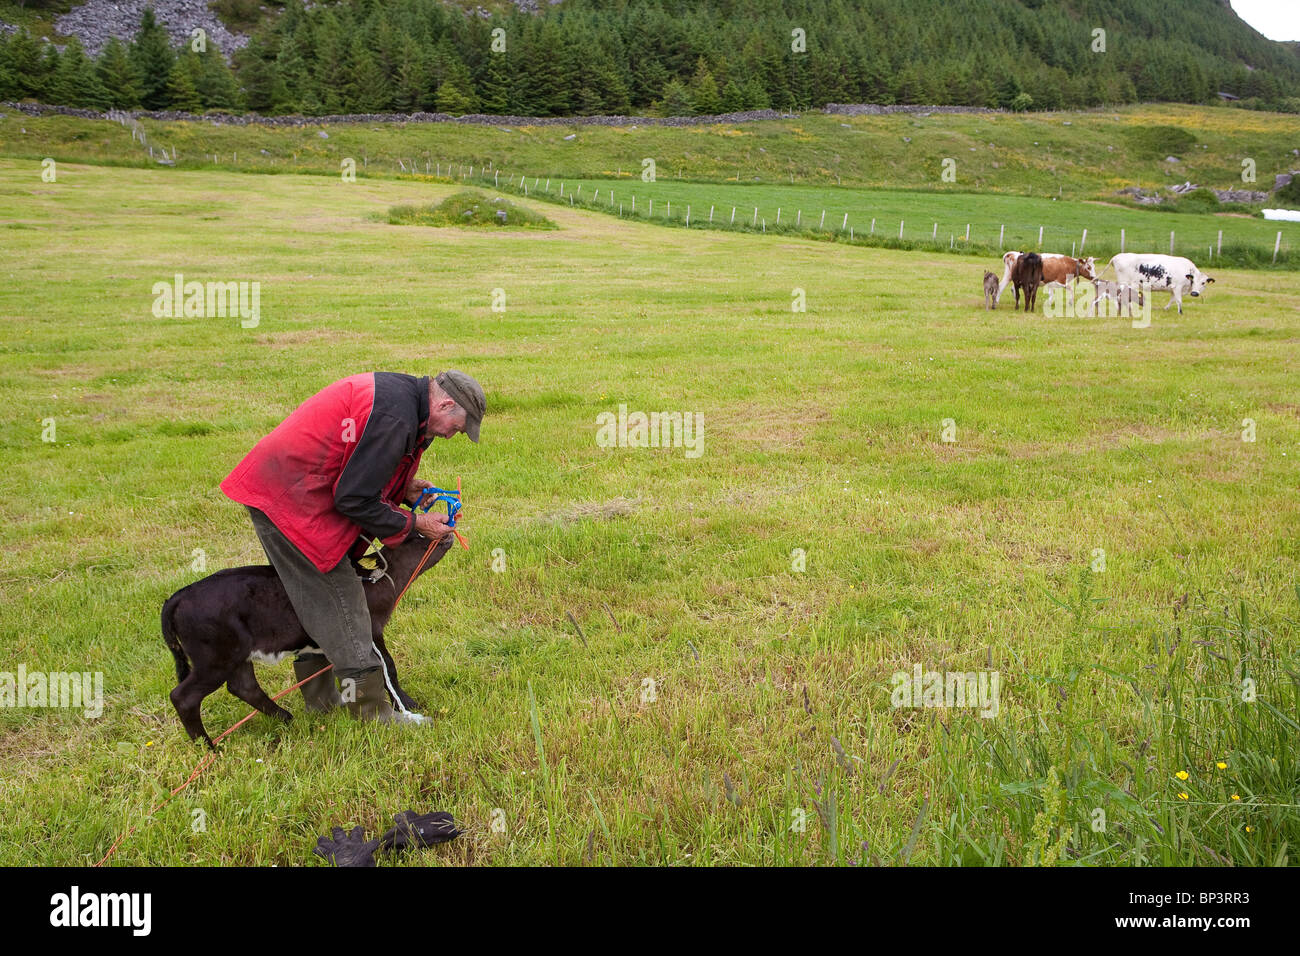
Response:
column 1209, row 280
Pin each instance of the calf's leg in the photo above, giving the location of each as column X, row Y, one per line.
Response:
column 187, row 698
column 243, row 684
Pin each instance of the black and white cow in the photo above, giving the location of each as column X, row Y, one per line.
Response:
column 1172, row 274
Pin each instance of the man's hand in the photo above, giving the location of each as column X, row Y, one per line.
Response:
column 432, row 525
column 413, row 489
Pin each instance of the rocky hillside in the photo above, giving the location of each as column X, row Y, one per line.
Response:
column 95, row 21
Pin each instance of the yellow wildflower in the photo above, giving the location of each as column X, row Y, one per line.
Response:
column 1182, row 796
column 1221, row 765
column 1181, row 775
column 1235, row 797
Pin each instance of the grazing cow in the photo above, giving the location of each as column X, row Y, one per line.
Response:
column 1058, row 270
column 990, row 291
column 1027, row 274
column 1066, row 271
column 1172, row 274
column 1124, row 296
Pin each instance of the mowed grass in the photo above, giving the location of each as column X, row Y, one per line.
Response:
column 767, row 734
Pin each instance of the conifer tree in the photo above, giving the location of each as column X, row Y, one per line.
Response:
column 152, row 57
column 182, row 88
column 8, row 84
column 26, row 62
column 76, row 83
column 732, row 100
column 367, row 88
column 704, row 90
column 117, row 76
column 676, row 100
column 215, row 83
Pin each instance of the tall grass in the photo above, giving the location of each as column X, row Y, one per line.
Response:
column 1201, row 769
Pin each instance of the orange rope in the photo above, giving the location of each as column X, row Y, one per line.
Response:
column 207, row 761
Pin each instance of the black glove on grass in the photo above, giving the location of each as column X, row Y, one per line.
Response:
column 347, row 849
column 419, row 830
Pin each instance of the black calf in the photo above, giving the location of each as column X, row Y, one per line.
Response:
column 217, row 627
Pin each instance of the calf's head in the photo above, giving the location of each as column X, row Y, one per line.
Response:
column 1198, row 280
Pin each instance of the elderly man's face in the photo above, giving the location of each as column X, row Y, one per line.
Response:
column 446, row 418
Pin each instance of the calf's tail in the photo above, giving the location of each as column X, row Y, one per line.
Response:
column 169, row 637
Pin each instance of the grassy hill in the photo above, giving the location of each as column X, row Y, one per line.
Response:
column 1069, row 155
column 1058, row 171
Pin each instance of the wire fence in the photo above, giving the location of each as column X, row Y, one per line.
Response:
column 1206, row 248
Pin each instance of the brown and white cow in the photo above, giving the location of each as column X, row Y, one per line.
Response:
column 1058, row 270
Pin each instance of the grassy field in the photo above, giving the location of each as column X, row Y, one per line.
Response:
column 1097, row 532
column 982, row 223
column 1021, row 173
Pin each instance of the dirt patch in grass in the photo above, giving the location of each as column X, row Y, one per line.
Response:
column 1107, row 441
column 285, row 340
column 776, row 427
column 593, row 511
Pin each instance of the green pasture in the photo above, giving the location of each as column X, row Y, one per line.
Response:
column 681, row 660
column 982, row 223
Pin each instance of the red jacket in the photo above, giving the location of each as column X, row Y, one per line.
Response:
column 339, row 465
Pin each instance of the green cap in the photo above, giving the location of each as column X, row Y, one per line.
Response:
column 468, row 394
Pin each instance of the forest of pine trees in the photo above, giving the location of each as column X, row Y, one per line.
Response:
column 146, row 74
column 675, row 57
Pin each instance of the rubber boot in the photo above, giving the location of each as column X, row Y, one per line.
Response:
column 372, row 702
column 319, row 695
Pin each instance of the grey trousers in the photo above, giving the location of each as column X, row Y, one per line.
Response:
column 331, row 605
